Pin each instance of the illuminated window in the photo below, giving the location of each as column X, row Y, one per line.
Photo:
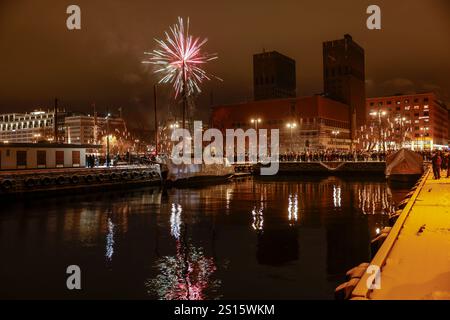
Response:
column 426, row 106
column 416, row 107
column 407, row 107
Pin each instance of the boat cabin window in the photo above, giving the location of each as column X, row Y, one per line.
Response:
column 75, row 158
column 41, row 158
column 21, row 158
column 59, row 159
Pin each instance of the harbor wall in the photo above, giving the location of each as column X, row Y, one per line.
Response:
column 327, row 168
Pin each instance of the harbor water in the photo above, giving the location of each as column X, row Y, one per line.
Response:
column 283, row 238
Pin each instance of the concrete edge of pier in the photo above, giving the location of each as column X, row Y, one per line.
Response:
column 362, row 290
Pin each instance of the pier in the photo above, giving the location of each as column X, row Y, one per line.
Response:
column 414, row 260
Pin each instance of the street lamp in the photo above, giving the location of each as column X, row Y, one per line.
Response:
column 255, row 122
column 291, row 126
column 335, row 133
column 401, row 121
column 107, row 139
column 422, row 135
column 380, row 114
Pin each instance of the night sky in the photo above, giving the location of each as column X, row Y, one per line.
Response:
column 101, row 63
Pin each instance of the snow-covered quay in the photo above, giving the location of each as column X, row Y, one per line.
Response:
column 415, row 258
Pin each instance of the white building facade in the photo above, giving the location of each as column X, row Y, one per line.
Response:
column 27, row 127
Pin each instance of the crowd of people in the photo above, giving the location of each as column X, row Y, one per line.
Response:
column 333, row 155
column 440, row 162
column 97, row 161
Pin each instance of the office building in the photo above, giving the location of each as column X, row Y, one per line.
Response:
column 307, row 123
column 344, row 77
column 27, row 127
column 273, row 76
column 417, row 121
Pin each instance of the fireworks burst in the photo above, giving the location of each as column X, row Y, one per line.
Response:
column 179, row 60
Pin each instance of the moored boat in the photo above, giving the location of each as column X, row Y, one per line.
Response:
column 198, row 174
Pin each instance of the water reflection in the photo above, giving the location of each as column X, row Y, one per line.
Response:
column 232, row 241
column 175, row 220
column 110, row 240
column 375, row 199
column 258, row 218
column 293, row 208
column 185, row 276
column 337, row 196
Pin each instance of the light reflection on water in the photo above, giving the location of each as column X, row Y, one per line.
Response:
column 248, row 239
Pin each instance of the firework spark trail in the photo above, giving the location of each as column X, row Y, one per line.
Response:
column 179, row 60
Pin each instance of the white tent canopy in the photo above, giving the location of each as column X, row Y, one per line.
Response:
column 404, row 162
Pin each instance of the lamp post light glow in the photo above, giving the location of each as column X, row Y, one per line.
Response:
column 401, row 121
column 380, row 114
column 174, row 125
column 291, row 126
column 107, row 139
column 335, row 133
column 255, row 122
column 423, row 135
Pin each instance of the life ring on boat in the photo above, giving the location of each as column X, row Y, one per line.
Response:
column 61, row 180
column 155, row 175
column 30, row 182
column 45, row 181
column 146, row 174
column 114, row 176
column 134, row 174
column 89, row 178
column 75, row 179
column 7, row 184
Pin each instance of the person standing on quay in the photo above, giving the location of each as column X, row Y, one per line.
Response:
column 448, row 163
column 436, row 163
column 444, row 166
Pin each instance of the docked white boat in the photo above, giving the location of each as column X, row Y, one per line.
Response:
column 193, row 174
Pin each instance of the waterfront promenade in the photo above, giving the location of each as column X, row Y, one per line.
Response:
column 415, row 258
